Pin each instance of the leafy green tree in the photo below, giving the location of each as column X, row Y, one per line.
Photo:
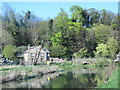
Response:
column 90, row 41
column 7, row 38
column 42, row 33
column 115, row 22
column 77, row 13
column 112, row 45
column 106, row 17
column 81, row 53
column 11, row 25
column 76, row 36
column 57, row 39
column 61, row 21
column 50, row 24
column 102, row 50
column 20, row 49
column 101, row 33
column 58, row 51
column 9, row 51
column 93, row 16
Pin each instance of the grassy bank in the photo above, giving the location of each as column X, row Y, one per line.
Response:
column 112, row 81
column 13, row 73
column 20, row 72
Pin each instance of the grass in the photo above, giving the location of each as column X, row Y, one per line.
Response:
column 113, row 80
column 89, row 65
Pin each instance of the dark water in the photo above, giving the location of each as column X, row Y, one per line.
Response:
column 75, row 78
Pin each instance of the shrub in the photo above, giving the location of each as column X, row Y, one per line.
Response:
column 81, row 53
column 9, row 51
column 102, row 50
column 112, row 46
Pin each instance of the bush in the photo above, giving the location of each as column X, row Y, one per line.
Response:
column 81, row 53
column 112, row 46
column 9, row 51
column 102, row 50
column 21, row 49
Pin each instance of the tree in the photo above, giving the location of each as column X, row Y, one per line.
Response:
column 58, row 51
column 60, row 27
column 101, row 33
column 61, row 21
column 7, row 38
column 9, row 51
column 42, row 33
column 112, row 45
column 90, row 41
column 77, row 13
column 102, row 50
column 81, row 53
column 115, row 22
column 76, row 37
column 11, row 25
column 93, row 16
column 26, row 18
column 106, row 17
column 50, row 24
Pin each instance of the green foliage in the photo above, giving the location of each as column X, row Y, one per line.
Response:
column 60, row 22
column 57, row 38
column 77, row 13
column 58, row 51
column 21, row 49
column 7, row 38
column 101, row 33
column 106, row 17
column 113, row 80
column 94, row 16
column 102, row 50
column 9, row 51
column 107, row 50
column 75, row 26
column 81, row 53
column 67, row 33
column 112, row 45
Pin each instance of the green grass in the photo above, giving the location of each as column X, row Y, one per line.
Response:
column 113, row 80
column 89, row 65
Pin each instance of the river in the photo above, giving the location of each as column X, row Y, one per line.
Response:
column 77, row 77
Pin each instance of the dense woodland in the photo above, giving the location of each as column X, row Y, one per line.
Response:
column 80, row 33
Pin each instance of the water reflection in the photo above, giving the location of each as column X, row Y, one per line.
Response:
column 71, row 80
column 75, row 78
column 81, row 78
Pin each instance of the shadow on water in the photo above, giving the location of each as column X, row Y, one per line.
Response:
column 76, row 78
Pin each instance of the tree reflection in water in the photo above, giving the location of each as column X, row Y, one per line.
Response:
column 81, row 78
column 71, row 80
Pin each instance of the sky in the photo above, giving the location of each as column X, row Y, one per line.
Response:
column 51, row 9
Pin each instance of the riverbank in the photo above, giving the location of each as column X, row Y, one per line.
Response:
column 113, row 80
column 16, row 73
column 26, row 72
